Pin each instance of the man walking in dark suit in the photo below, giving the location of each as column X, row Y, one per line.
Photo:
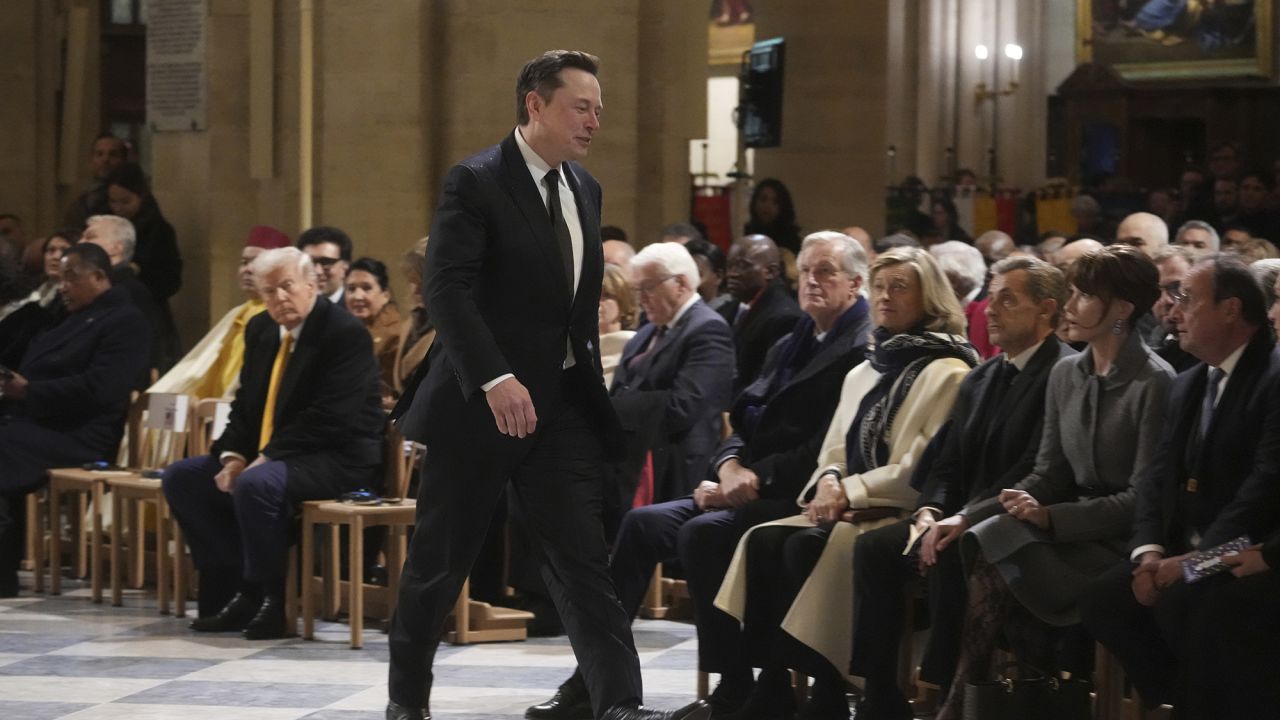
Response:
column 1216, row 478
column 514, row 391
column 764, row 309
column 991, row 442
column 66, row 403
column 779, row 422
column 306, row 424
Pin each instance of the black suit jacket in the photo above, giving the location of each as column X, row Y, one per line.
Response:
column 500, row 300
column 670, row 401
column 783, row 448
column 1237, row 469
column 772, row 315
column 991, row 442
column 79, row 377
column 328, row 413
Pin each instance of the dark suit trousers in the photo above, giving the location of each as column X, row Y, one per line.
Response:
column 706, row 545
column 882, row 575
column 649, row 535
column 1208, row 649
column 555, row 476
column 246, row 530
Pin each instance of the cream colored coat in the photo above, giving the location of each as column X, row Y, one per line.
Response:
column 822, row 614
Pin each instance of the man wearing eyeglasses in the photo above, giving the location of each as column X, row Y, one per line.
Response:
column 330, row 252
column 1173, row 263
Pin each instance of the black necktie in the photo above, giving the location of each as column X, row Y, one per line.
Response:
column 1210, row 396
column 552, row 179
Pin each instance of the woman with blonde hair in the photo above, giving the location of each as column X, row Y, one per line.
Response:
column 791, row 582
column 618, row 315
column 416, row 332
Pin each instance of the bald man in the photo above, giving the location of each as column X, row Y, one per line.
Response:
column 1145, row 231
column 1067, row 255
column 762, row 309
column 994, row 246
column 618, row 252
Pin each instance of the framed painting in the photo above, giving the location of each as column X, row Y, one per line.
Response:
column 1176, row 39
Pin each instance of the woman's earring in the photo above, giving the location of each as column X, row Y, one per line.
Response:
column 1118, row 327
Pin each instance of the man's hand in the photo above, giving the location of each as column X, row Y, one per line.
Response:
column 708, row 496
column 940, row 535
column 13, row 385
column 1169, row 571
column 512, row 408
column 1021, row 505
column 1246, row 562
column 1144, row 579
column 231, row 469
column 738, row 485
column 829, row 503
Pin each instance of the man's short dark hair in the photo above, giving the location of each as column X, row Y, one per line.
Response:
column 543, row 75
column 1044, row 281
column 612, row 232
column 92, row 256
column 326, row 234
column 1232, row 278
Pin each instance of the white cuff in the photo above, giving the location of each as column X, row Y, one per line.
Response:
column 1143, row 549
column 494, row 382
column 229, row 454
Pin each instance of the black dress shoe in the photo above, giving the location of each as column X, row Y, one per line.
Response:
column 697, row 710
column 770, row 699
column 232, row 618
column 269, row 623
column 571, row 702
column 9, row 586
column 396, row 711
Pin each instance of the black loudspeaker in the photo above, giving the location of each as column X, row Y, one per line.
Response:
column 760, row 97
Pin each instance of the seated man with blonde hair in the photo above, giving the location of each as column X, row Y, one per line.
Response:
column 306, row 424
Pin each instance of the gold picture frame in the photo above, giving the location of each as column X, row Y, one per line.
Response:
column 1187, row 39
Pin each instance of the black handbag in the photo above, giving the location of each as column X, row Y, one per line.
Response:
column 1041, row 698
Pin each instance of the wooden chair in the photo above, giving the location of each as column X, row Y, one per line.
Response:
column 398, row 516
column 87, row 488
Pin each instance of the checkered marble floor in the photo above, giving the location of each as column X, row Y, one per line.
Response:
column 64, row 657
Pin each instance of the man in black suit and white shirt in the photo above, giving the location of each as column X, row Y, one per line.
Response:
column 1216, row 478
column 306, row 424
column 764, row 309
column 515, row 392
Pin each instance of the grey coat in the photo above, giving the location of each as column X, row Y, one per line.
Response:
column 1100, row 433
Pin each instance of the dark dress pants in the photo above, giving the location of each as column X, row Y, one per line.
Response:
column 555, row 476
column 706, row 545
column 881, row 576
column 244, row 533
column 648, row 536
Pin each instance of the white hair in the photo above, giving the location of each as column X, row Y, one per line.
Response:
column 272, row 260
column 673, row 258
column 121, row 231
column 853, row 258
column 960, row 260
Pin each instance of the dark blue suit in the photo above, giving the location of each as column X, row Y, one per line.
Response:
column 80, row 374
column 501, row 302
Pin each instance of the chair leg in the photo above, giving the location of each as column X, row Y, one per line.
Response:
column 55, row 539
column 704, row 685
column 333, row 574
column 95, row 547
column 355, row 582
column 306, row 575
column 36, row 540
column 117, row 552
column 162, row 555
column 290, row 599
column 81, row 536
column 138, row 544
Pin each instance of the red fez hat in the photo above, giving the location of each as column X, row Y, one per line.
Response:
column 267, row 238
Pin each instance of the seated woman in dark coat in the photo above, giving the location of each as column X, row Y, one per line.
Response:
column 1030, row 550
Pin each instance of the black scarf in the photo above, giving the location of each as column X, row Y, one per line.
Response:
column 899, row 359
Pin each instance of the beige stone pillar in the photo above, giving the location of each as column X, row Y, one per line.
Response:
column 833, row 128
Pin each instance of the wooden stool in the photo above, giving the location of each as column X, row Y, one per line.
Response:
column 477, row 622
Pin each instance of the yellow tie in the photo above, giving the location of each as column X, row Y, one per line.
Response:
column 273, row 388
